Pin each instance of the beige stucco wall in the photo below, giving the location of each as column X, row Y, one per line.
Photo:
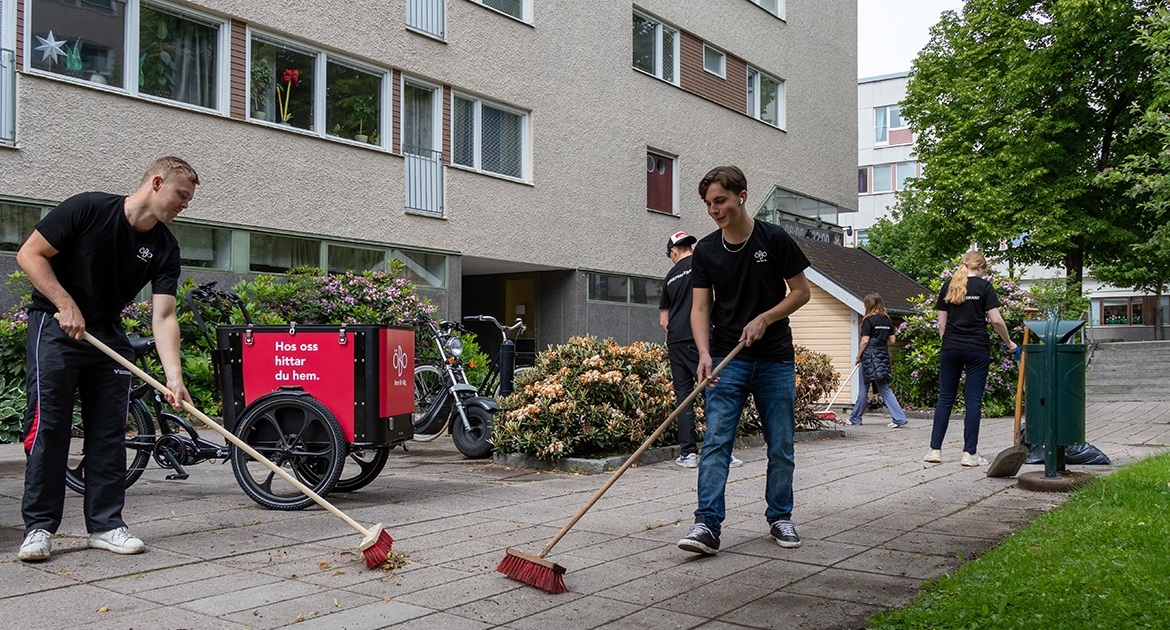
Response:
column 592, row 118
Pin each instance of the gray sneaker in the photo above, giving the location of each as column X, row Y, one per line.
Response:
column 735, row 462
column 36, row 546
column 116, row 540
column 700, row 540
column 785, row 534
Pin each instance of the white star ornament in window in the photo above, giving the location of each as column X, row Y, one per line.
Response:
column 50, row 48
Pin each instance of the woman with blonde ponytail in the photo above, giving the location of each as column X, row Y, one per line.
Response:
column 964, row 305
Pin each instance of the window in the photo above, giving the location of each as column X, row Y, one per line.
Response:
column 659, row 183
column 775, row 7
column 863, row 180
column 203, row 246
column 271, row 253
column 624, row 289
column 764, row 96
column 178, row 56
column 905, row 172
column 426, row 16
column 885, row 119
column 488, row 137
column 883, row 178
column 17, row 222
column 714, row 61
column 420, row 146
column 519, row 9
column 8, row 71
column 343, row 259
column 862, row 236
column 285, row 89
column 422, row 269
column 655, row 48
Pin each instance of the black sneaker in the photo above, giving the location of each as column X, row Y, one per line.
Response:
column 785, row 534
column 700, row 540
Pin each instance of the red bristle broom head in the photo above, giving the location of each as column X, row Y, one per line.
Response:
column 827, row 416
column 376, row 546
column 534, row 571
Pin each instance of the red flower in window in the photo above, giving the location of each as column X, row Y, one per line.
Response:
column 289, row 78
column 292, row 77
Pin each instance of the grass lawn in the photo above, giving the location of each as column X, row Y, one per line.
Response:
column 1100, row 561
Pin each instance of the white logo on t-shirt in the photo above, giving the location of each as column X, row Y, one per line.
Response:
column 144, row 254
column 761, row 256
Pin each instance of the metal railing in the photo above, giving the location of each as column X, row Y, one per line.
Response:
column 7, row 96
column 424, row 180
column 426, row 16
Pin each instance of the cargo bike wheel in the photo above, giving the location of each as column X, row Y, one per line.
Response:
column 297, row 433
column 140, row 438
column 363, row 464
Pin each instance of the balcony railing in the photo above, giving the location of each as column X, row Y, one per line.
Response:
column 425, row 16
column 424, row 180
column 7, row 96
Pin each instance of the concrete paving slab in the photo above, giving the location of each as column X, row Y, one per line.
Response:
column 654, row 618
column 369, row 617
column 162, row 618
column 715, row 598
column 901, row 563
column 584, row 613
column 327, row 604
column 794, row 611
column 74, row 606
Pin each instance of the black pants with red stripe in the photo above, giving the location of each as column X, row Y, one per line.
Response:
column 61, row 369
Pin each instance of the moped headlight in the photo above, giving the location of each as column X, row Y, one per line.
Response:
column 455, row 346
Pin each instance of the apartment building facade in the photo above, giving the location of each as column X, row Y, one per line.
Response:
column 522, row 158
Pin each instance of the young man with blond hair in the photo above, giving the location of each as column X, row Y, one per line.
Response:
column 748, row 278
column 87, row 259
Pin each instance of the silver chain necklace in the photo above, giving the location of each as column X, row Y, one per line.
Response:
column 733, row 251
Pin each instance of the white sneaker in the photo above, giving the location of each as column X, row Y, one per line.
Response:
column 116, row 540
column 36, row 546
column 735, row 462
column 973, row 460
column 897, row 425
column 934, row 456
column 688, row 461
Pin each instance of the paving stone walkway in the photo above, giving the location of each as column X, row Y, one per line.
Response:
column 875, row 520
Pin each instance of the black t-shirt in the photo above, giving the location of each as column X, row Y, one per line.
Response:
column 967, row 322
column 102, row 261
column 745, row 283
column 878, row 328
column 677, row 297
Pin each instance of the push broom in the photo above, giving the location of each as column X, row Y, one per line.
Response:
column 545, row 574
column 375, row 546
column 829, row 415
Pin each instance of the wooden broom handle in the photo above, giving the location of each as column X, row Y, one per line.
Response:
column 641, row 449
column 847, row 380
column 227, row 434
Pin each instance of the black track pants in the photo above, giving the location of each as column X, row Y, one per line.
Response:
column 684, row 369
column 58, row 368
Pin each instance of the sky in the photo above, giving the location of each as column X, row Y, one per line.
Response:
column 891, row 32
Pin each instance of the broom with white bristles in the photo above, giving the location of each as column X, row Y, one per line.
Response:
column 375, row 545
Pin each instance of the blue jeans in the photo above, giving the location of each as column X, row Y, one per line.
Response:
column 951, row 364
column 887, row 395
column 773, row 386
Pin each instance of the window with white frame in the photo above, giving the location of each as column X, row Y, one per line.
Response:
column 421, row 116
column 904, row 172
column 488, row 137
column 764, row 97
column 883, row 178
column 426, row 16
column 863, row 180
column 656, row 48
column 285, row 88
column 885, row 119
column 176, row 54
column 775, row 7
column 714, row 61
column 8, row 71
column 519, row 9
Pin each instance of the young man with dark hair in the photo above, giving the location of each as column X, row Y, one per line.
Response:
column 748, row 278
column 674, row 315
column 87, row 259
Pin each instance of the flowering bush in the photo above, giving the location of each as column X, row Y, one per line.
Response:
column 915, row 374
column 586, row 398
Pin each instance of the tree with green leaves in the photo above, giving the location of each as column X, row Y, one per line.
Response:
column 1020, row 105
column 1147, row 268
column 906, row 247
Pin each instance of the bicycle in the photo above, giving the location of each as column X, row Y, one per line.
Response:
column 505, row 360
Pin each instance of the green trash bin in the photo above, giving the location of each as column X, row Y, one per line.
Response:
column 1055, row 390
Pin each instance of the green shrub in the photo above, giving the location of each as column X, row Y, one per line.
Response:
column 586, row 398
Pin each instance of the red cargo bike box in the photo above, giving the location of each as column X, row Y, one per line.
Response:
column 364, row 373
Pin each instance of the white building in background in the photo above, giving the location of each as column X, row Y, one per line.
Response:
column 886, row 161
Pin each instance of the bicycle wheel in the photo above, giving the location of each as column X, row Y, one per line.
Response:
column 139, row 432
column 428, row 389
column 473, row 442
column 297, row 433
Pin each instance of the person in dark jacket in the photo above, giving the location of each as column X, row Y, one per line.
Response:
column 965, row 303
column 873, row 355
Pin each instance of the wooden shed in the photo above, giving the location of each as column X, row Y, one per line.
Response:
column 840, row 278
